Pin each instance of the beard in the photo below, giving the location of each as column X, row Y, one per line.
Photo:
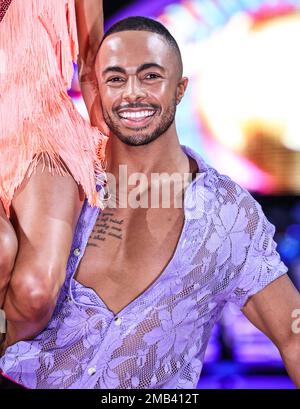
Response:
column 141, row 136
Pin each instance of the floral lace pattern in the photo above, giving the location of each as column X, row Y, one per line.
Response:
column 226, row 252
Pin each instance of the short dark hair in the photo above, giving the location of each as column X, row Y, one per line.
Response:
column 139, row 23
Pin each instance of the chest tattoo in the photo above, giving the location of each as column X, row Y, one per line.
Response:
column 106, row 225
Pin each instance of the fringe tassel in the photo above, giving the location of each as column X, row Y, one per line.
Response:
column 38, row 119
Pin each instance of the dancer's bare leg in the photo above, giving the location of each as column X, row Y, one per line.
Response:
column 8, row 252
column 45, row 211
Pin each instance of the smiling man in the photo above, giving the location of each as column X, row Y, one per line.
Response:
column 140, row 91
column 146, row 284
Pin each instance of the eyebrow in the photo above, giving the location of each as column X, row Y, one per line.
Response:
column 141, row 68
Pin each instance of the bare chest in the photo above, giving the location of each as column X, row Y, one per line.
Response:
column 127, row 251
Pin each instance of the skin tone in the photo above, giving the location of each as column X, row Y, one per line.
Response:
column 89, row 18
column 121, row 246
column 34, row 254
column 43, row 248
column 132, row 83
column 270, row 309
column 129, row 88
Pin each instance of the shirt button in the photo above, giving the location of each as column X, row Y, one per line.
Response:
column 76, row 252
column 118, row 321
column 91, row 371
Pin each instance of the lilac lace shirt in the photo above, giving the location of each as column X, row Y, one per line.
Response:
column 226, row 252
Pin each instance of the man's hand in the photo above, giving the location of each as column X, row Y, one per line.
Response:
column 271, row 311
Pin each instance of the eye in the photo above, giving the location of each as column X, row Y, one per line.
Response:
column 152, row 76
column 115, row 80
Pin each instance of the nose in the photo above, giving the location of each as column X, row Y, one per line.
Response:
column 134, row 90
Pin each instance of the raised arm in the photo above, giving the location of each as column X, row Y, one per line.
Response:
column 89, row 16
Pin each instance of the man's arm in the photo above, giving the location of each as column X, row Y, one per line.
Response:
column 89, row 17
column 271, row 311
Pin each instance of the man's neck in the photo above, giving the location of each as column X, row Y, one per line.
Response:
column 162, row 155
column 137, row 170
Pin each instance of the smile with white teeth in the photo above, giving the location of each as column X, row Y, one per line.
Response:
column 136, row 115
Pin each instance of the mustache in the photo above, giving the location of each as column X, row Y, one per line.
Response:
column 136, row 105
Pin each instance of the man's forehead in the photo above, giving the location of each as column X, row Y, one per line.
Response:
column 132, row 47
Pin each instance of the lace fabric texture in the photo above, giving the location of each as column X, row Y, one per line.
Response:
column 226, row 253
column 4, row 4
column 38, row 44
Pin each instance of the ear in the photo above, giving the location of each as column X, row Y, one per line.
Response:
column 181, row 87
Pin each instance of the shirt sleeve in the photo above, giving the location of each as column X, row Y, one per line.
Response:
column 263, row 264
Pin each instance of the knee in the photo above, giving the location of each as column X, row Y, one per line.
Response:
column 35, row 293
column 8, row 251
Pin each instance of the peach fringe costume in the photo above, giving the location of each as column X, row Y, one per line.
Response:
column 4, row 4
column 38, row 121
